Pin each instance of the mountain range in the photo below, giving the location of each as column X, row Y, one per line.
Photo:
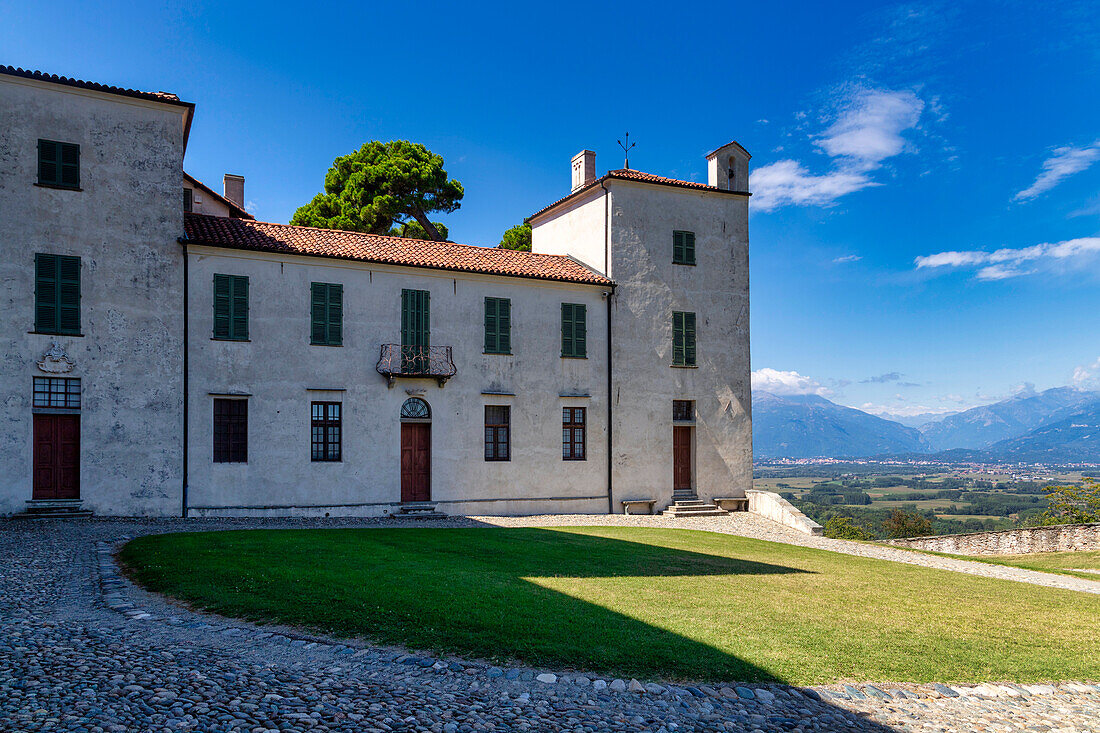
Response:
column 1060, row 425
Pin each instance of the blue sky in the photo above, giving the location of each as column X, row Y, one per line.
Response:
column 926, row 225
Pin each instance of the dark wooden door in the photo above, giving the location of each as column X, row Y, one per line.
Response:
column 56, row 457
column 681, row 457
column 416, row 462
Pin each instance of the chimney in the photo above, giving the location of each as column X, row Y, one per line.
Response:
column 233, row 186
column 584, row 169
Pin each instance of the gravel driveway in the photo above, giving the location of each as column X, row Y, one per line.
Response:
column 83, row 650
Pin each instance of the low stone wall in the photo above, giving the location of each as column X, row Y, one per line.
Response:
column 774, row 507
column 1056, row 538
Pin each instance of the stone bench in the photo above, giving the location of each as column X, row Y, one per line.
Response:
column 732, row 503
column 636, row 503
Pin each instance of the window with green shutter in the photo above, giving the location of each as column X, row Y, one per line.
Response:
column 683, row 339
column 574, row 330
column 415, row 318
column 231, row 307
column 58, row 164
column 326, row 314
column 683, row 248
column 57, row 294
column 498, row 326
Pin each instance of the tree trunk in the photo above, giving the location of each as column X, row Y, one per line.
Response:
column 423, row 220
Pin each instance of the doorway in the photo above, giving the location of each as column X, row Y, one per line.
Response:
column 56, row 457
column 682, row 479
column 416, row 451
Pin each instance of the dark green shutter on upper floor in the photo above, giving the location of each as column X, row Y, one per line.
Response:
column 231, row 307
column 58, row 164
column 415, row 318
column 683, row 248
column 327, row 314
column 498, row 326
column 683, row 338
column 56, row 294
column 574, row 330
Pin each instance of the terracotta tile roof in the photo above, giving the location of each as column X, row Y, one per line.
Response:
column 55, row 79
column 260, row 236
column 234, row 210
column 629, row 174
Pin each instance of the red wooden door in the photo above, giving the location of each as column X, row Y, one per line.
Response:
column 681, row 457
column 56, row 457
column 416, row 461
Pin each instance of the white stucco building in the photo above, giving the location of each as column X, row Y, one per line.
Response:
column 166, row 354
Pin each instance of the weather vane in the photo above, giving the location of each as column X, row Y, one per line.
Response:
column 626, row 148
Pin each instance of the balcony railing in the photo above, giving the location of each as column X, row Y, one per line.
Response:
column 434, row 362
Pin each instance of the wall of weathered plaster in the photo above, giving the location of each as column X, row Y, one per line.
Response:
column 774, row 507
column 124, row 225
column 649, row 287
column 575, row 229
column 278, row 367
column 1057, row 538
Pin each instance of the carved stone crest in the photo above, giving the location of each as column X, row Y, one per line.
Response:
column 55, row 360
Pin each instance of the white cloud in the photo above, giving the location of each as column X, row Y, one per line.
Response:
column 786, row 383
column 1085, row 377
column 1062, row 164
column 847, row 258
column 1008, row 262
column 904, row 410
column 867, row 130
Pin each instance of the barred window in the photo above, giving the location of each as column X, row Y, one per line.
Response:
column 325, row 425
column 230, row 431
column 63, row 392
column 498, row 432
column 572, row 433
column 683, row 410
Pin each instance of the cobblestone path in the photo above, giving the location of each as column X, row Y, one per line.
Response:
column 83, row 650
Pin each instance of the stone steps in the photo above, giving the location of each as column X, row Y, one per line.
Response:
column 53, row 509
column 419, row 510
column 693, row 508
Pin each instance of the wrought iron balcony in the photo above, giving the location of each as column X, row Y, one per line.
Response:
column 434, row 362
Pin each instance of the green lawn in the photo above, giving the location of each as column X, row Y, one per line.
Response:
column 1065, row 563
column 645, row 602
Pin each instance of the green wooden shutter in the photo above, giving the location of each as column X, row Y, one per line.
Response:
column 335, row 315
column 48, row 164
column 689, row 248
column 222, row 305
column 504, row 325
column 318, row 317
column 239, row 321
column 415, row 317
column 677, row 247
column 580, row 330
column 567, row 329
column 689, row 339
column 683, row 248
column 70, row 164
column 491, row 334
column 45, row 293
column 677, row 338
column 68, row 295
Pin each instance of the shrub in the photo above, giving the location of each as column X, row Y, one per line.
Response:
column 841, row 528
column 1073, row 504
column 901, row 523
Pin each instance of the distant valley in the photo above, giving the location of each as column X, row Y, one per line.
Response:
column 1060, row 425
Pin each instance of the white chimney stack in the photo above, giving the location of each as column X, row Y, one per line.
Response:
column 233, row 186
column 584, row 169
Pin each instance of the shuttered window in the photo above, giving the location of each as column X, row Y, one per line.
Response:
column 683, row 339
column 498, row 326
column 498, row 432
column 683, row 248
column 230, row 431
column 326, row 314
column 231, row 307
column 416, row 334
column 572, row 433
column 57, row 294
column 574, row 330
column 58, row 164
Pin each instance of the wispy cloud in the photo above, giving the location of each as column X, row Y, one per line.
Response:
column 1007, row 263
column 867, row 129
column 1086, row 375
column 786, row 383
column 1064, row 162
column 847, row 258
column 882, row 378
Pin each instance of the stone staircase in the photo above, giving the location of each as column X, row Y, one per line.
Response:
column 53, row 509
column 693, row 508
column 419, row 510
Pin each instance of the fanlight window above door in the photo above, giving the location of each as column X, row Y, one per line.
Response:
column 416, row 409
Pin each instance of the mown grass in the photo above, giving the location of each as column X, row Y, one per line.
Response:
column 1063, row 563
column 646, row 602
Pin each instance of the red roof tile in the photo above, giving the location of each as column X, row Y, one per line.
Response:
column 311, row 241
column 55, row 79
column 629, row 174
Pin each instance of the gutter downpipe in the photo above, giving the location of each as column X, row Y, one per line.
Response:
column 610, row 398
column 186, row 371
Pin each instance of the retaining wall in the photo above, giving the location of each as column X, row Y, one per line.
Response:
column 1056, row 538
column 776, row 508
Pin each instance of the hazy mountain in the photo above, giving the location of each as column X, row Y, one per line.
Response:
column 808, row 426
column 916, row 421
column 982, row 427
column 1073, row 439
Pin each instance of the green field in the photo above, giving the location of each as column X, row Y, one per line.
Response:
column 1066, row 563
column 645, row 602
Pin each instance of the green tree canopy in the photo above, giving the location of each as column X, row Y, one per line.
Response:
column 380, row 185
column 413, row 230
column 1073, row 504
column 901, row 523
column 518, row 237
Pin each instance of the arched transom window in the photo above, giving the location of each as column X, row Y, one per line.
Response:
column 415, row 409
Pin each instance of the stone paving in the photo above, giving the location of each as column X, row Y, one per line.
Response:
column 81, row 649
